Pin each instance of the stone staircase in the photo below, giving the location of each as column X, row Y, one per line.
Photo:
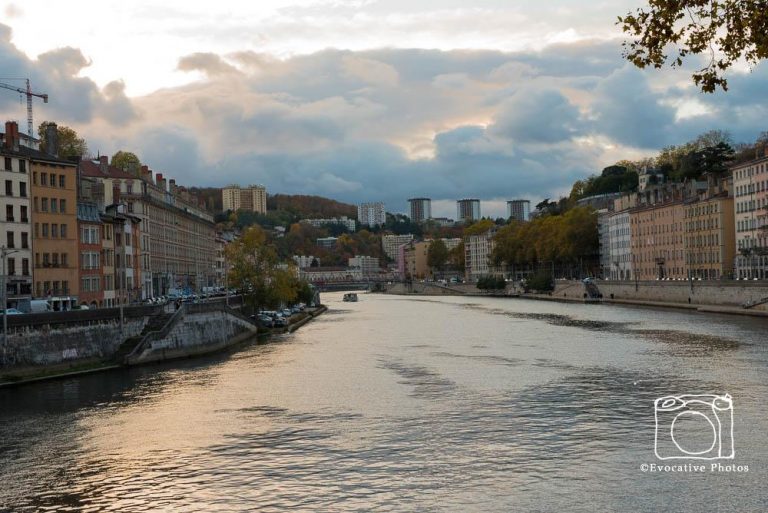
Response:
column 155, row 323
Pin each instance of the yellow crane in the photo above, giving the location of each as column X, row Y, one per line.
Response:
column 29, row 94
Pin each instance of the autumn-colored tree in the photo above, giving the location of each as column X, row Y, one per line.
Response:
column 125, row 160
column 70, row 144
column 437, row 255
column 252, row 261
column 725, row 31
column 479, row 227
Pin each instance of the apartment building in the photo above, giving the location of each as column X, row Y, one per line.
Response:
column 177, row 240
column 252, row 198
column 750, row 191
column 710, row 242
column 349, row 224
column 619, row 247
column 414, row 257
column 90, row 228
column 477, row 256
column 519, row 210
column 391, row 243
column 468, row 210
column 421, row 209
column 371, row 214
column 15, row 209
column 657, row 241
column 54, row 218
column 368, row 265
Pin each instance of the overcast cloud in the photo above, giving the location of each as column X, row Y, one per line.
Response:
column 516, row 118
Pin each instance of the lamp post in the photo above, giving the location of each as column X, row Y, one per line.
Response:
column 5, row 254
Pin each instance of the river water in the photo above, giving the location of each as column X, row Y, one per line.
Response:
column 403, row 404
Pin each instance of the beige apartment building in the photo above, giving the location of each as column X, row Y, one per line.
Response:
column 54, row 217
column 657, row 241
column 710, row 243
column 252, row 198
column 414, row 260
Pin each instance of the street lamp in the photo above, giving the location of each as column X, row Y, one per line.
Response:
column 4, row 251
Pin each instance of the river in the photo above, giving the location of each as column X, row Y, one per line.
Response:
column 404, row 404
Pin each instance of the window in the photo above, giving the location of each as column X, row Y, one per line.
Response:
column 65, row 287
column 63, row 206
column 63, row 231
column 47, row 287
column 34, row 178
column 22, row 166
column 10, row 240
column 37, row 230
column 44, row 179
column 24, row 214
column 9, row 213
column 24, row 240
column 54, row 205
column 55, row 259
column 44, row 204
column 25, row 266
column 62, row 181
column 45, row 230
column 53, row 180
column 64, row 260
column 8, row 188
column 8, row 166
column 54, row 231
column 11, row 266
column 23, row 189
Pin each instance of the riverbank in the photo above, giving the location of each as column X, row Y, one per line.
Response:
column 22, row 376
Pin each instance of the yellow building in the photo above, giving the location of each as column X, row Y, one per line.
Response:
column 54, row 219
column 710, row 237
column 252, row 198
column 415, row 255
column 657, row 241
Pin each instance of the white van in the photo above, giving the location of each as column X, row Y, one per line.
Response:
column 39, row 306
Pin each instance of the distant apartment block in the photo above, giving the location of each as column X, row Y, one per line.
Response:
column 519, row 210
column 367, row 264
column 303, row 261
column 412, row 260
column 421, row 209
column 350, row 224
column 710, row 243
column 326, row 242
column 391, row 243
column 443, row 221
column 252, row 198
column 330, row 274
column 618, row 248
column 477, row 256
column 371, row 214
column 468, row 210
column 452, row 243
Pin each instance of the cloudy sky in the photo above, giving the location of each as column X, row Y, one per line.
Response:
column 362, row 100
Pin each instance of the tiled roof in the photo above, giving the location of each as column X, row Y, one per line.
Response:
column 93, row 169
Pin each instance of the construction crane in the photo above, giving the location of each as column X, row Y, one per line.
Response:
column 28, row 92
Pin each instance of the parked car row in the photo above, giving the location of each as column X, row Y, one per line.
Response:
column 277, row 318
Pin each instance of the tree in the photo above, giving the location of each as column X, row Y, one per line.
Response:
column 723, row 30
column 252, row 262
column 70, row 145
column 125, row 160
column 437, row 255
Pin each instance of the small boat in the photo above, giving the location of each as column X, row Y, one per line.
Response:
column 350, row 297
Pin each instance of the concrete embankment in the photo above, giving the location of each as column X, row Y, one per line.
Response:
column 67, row 344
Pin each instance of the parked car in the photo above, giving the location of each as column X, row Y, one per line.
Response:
column 265, row 321
column 281, row 322
column 287, row 312
column 13, row 311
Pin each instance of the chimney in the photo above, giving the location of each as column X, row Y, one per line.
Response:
column 104, row 164
column 51, row 139
column 11, row 135
column 146, row 174
column 159, row 181
column 172, row 185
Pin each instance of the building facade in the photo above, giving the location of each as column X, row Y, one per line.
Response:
column 477, row 256
column 619, row 246
column 54, row 218
column 414, row 260
column 320, row 275
column 252, row 198
column 657, row 241
column 750, row 191
column 391, row 243
column 90, row 228
column 710, row 242
column 519, row 210
column 368, row 265
column 15, row 209
column 421, row 209
column 349, row 224
column 468, row 210
column 371, row 214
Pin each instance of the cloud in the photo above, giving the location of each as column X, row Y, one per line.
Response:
column 389, row 124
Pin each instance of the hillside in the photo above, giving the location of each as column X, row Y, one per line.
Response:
column 310, row 206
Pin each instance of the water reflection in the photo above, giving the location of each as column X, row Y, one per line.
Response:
column 396, row 404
